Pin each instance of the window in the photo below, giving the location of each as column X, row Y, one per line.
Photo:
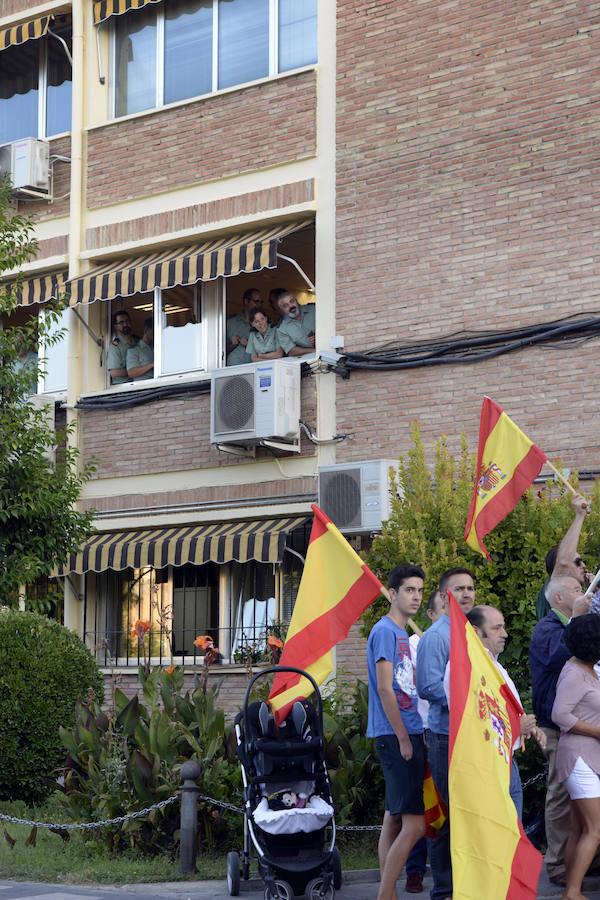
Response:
column 35, row 87
column 166, row 332
column 187, row 48
column 52, row 358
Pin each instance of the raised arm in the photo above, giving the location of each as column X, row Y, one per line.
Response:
column 567, row 549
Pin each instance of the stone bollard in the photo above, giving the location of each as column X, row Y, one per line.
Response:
column 190, row 773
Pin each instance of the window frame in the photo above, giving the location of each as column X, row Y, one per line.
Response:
column 215, row 89
column 42, row 91
column 210, row 297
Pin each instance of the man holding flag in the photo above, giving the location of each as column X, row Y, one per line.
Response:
column 396, row 726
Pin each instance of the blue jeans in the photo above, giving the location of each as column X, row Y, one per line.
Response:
column 516, row 788
column 439, row 847
column 417, row 859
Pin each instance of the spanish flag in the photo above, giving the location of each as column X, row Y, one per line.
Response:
column 435, row 808
column 491, row 855
column 336, row 587
column 507, row 463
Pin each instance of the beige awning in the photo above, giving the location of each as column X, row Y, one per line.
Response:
column 41, row 288
column 104, row 9
column 261, row 540
column 220, row 257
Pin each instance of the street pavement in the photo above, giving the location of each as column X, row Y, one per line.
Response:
column 357, row 886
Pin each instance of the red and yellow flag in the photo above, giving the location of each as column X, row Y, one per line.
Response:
column 435, row 808
column 491, row 855
column 507, row 463
column 336, row 587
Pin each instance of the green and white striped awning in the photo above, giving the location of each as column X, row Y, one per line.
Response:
column 220, row 257
column 261, row 540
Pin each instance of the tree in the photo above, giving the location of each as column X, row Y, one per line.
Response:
column 39, row 526
column 427, row 525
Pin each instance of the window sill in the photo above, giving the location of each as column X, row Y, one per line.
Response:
column 149, row 384
column 117, row 120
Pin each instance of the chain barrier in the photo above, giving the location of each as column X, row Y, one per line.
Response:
column 138, row 814
column 74, row 826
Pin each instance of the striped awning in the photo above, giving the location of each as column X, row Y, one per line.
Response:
column 104, row 9
column 27, row 31
column 262, row 540
column 42, row 288
column 220, row 257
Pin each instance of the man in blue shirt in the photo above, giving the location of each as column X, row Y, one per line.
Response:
column 434, row 654
column 396, row 725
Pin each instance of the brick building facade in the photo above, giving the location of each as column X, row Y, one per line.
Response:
column 431, row 170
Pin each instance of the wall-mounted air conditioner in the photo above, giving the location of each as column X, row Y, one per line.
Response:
column 356, row 496
column 27, row 164
column 257, row 403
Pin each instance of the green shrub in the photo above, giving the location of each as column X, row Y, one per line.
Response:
column 44, row 670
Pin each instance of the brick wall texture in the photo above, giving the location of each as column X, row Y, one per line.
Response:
column 242, row 131
column 166, row 436
column 468, row 197
column 201, row 214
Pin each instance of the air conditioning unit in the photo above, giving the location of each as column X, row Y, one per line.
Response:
column 356, row 496
column 254, row 404
column 27, row 164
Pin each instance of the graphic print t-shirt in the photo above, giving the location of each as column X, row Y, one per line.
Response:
column 390, row 642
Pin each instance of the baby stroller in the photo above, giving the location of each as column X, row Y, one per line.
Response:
column 288, row 813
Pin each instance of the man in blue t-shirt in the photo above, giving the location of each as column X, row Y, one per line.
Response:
column 396, row 725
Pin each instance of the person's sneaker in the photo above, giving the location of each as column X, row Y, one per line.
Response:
column 414, row 883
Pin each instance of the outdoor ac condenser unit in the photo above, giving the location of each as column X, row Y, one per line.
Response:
column 356, row 496
column 255, row 403
column 27, row 164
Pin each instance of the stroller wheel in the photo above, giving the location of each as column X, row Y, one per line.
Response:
column 314, row 890
column 233, row 873
column 284, row 891
column 337, row 869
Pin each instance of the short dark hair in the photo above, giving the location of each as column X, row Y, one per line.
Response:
column 551, row 560
column 582, row 637
column 447, row 575
column 431, row 599
column 399, row 575
column 255, row 312
column 477, row 616
column 119, row 312
column 248, row 294
column 148, row 323
column 276, row 293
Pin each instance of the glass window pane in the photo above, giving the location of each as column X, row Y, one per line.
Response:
column 19, row 67
column 130, row 351
column 58, row 94
column 135, row 61
column 243, row 41
column 181, row 331
column 188, row 49
column 297, row 33
column 55, row 358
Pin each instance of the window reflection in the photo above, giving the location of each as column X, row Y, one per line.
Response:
column 181, row 330
column 59, row 81
column 243, row 41
column 135, row 61
column 297, row 33
column 188, row 49
column 19, row 72
column 55, row 357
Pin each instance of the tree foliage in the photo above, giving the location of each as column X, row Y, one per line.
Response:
column 39, row 526
column 427, row 525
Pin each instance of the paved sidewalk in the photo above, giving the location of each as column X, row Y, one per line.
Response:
column 358, row 886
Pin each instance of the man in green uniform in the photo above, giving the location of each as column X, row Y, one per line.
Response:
column 296, row 331
column 140, row 358
column 238, row 329
column 124, row 338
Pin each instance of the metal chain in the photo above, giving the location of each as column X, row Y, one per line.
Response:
column 535, row 778
column 222, row 804
column 74, row 826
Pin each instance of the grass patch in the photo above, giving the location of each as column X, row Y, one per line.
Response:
column 83, row 860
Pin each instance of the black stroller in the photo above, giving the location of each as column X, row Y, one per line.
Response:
column 288, row 813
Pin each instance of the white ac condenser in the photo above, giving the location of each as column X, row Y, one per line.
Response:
column 356, row 496
column 255, row 403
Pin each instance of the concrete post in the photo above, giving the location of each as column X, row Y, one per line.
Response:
column 190, row 773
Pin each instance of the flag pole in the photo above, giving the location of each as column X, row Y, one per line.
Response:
column 412, row 625
column 561, row 477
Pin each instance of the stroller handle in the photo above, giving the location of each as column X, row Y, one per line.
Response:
column 296, row 671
